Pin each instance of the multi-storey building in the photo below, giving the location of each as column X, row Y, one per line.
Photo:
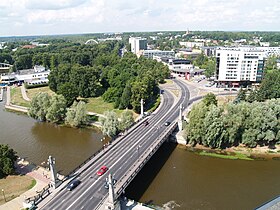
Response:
column 160, row 53
column 137, row 44
column 239, row 66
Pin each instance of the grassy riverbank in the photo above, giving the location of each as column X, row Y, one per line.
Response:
column 238, row 153
column 14, row 186
column 236, row 156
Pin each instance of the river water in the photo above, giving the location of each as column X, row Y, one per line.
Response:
column 35, row 141
column 182, row 179
column 173, row 176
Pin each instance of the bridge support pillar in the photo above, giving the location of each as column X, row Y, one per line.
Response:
column 180, row 119
column 54, row 181
column 112, row 204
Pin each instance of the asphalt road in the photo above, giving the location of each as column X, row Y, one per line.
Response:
column 119, row 158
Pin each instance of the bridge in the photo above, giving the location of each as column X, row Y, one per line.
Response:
column 4, row 68
column 91, row 41
column 125, row 157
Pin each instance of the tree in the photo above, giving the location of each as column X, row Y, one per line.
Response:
column 39, row 106
column 270, row 86
column 126, row 120
column 7, row 159
column 214, row 128
column 57, row 110
column 271, row 63
column 69, row 91
column 209, row 99
column 195, row 128
column 76, row 115
column 109, row 123
column 210, row 68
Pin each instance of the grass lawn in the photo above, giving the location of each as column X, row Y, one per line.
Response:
column 33, row 91
column 16, row 97
column 14, row 186
column 226, row 156
column 99, row 106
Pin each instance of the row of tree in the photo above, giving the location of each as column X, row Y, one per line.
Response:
column 269, row 89
column 120, row 80
column 112, row 125
column 245, row 123
column 54, row 109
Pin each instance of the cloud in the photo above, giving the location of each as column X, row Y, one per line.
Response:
column 52, row 4
column 78, row 16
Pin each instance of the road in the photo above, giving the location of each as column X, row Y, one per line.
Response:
column 119, row 158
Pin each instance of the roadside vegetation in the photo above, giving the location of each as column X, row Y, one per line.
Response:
column 252, row 119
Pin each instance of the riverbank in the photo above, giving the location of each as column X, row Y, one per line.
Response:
column 35, row 178
column 240, row 152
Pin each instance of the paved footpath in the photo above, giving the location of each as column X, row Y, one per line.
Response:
column 41, row 176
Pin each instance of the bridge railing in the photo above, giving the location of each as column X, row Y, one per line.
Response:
column 124, row 181
column 102, row 151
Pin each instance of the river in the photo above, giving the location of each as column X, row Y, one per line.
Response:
column 173, row 176
column 35, row 141
column 190, row 181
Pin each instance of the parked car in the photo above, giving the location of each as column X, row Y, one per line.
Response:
column 102, row 170
column 73, row 184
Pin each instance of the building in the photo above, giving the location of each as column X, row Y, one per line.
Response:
column 180, row 66
column 278, row 63
column 160, row 53
column 239, row 66
column 270, row 50
column 36, row 76
column 137, row 44
column 209, row 51
column 192, row 44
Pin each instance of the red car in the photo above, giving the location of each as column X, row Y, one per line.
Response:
column 102, row 170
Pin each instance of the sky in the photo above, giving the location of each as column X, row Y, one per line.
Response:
column 47, row 17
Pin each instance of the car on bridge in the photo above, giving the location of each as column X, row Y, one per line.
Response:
column 73, row 184
column 106, row 185
column 167, row 123
column 102, row 170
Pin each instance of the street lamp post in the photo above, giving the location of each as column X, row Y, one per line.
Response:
column 138, row 147
column 4, row 195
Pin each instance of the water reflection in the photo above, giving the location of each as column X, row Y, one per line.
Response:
column 35, row 141
column 189, row 181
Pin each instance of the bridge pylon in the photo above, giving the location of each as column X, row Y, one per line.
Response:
column 112, row 204
column 180, row 119
column 54, row 180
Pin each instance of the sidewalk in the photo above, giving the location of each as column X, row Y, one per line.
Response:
column 41, row 176
column 23, row 93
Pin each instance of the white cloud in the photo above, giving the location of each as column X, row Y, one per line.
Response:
column 52, row 4
column 78, row 16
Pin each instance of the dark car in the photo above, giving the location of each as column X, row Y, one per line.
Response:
column 73, row 184
column 102, row 170
column 146, row 123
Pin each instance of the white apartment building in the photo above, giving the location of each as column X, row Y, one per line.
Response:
column 38, row 75
column 270, row 50
column 237, row 66
column 160, row 53
column 137, row 44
